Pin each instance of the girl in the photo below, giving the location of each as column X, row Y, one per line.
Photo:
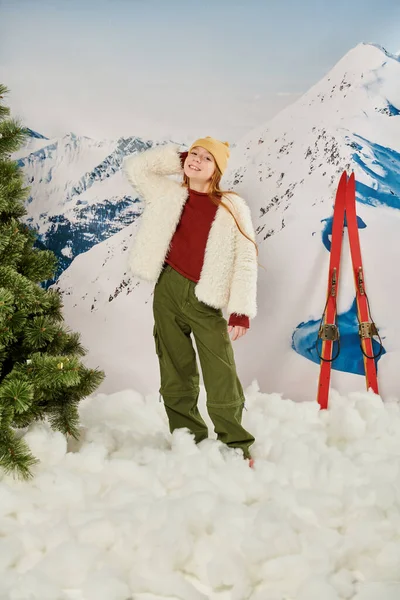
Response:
column 196, row 243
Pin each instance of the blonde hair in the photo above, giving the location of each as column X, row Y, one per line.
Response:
column 216, row 194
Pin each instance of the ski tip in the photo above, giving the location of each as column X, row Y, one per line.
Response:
column 351, row 184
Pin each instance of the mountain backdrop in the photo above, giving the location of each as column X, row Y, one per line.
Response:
column 288, row 170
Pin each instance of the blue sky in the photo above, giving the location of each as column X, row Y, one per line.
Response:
column 176, row 68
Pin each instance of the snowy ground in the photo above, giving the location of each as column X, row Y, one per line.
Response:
column 130, row 512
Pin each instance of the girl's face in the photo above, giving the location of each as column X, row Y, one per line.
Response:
column 199, row 164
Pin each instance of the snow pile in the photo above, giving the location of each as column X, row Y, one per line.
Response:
column 130, row 511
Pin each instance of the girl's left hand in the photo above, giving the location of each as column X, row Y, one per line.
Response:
column 238, row 331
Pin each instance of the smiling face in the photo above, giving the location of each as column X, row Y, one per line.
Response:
column 199, row 165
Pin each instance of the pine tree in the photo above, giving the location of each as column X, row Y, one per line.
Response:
column 41, row 375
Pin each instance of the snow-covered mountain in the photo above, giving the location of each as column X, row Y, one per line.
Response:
column 288, row 170
column 78, row 195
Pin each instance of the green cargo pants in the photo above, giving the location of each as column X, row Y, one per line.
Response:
column 177, row 314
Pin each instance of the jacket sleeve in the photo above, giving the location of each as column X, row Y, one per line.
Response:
column 147, row 171
column 243, row 290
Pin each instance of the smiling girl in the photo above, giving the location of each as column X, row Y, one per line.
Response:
column 197, row 244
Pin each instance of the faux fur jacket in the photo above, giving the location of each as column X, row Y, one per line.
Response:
column 228, row 277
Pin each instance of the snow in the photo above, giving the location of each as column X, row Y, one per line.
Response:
column 67, row 251
column 55, row 168
column 130, row 511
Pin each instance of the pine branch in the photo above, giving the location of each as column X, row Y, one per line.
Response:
column 4, row 110
column 15, row 456
column 12, row 136
column 38, row 265
column 12, row 190
column 65, row 418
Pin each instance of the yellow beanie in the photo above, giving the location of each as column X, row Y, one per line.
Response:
column 219, row 150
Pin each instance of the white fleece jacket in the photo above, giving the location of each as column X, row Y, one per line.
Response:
column 228, row 277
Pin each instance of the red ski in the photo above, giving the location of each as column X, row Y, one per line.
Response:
column 328, row 330
column 367, row 328
column 345, row 203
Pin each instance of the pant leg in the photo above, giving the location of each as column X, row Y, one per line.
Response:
column 225, row 397
column 177, row 359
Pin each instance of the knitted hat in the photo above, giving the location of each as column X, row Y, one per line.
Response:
column 219, row 150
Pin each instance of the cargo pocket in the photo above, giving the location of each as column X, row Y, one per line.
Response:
column 157, row 341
